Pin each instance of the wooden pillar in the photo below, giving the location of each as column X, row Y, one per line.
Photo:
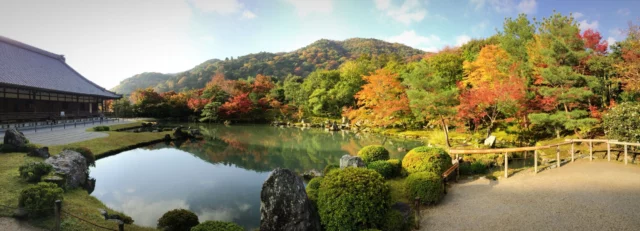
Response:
column 506, row 165
column 572, row 151
column 558, row 156
column 535, row 161
column 58, row 208
column 625, row 154
column 590, row 150
column 608, row 151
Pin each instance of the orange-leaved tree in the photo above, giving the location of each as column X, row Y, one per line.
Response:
column 381, row 102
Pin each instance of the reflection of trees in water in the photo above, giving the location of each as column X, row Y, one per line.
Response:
column 236, row 204
column 264, row 148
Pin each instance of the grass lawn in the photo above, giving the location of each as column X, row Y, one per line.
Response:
column 78, row 201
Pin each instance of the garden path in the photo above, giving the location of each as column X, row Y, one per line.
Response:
column 8, row 223
column 60, row 136
column 583, row 195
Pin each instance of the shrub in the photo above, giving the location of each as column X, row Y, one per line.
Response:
column 353, row 199
column 397, row 166
column 217, row 226
column 330, row 168
column 383, row 167
column 426, row 159
column 39, row 199
column 7, row 148
column 121, row 216
column 622, row 122
column 394, row 221
column 178, row 220
column 88, row 155
column 478, row 167
column 101, row 128
column 33, row 172
column 312, row 188
column 373, row 153
column 426, row 185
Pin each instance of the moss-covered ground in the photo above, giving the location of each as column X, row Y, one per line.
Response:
column 77, row 202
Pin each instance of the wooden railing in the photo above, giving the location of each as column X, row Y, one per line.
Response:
column 535, row 149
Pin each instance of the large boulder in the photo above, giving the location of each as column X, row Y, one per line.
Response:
column 351, row 161
column 284, row 204
column 178, row 133
column 72, row 165
column 40, row 152
column 15, row 139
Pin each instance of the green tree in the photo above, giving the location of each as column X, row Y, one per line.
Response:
column 210, row 112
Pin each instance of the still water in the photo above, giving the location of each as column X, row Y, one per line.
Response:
column 220, row 177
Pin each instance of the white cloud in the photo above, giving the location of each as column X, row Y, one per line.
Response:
column 616, row 32
column 248, row 14
column 219, row 6
column 624, row 12
column 306, row 7
column 611, row 41
column 585, row 25
column 462, row 39
column 410, row 38
column 577, row 15
column 527, row 6
column 410, row 10
column 506, row 6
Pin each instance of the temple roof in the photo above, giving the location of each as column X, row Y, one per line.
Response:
column 22, row 65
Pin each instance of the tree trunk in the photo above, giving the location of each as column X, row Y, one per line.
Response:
column 446, row 131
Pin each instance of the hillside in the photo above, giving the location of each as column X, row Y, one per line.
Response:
column 142, row 80
column 322, row 54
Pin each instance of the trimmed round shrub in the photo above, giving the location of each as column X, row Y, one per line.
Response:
column 373, row 153
column 121, row 216
column 353, row 199
column 178, row 220
column 330, row 168
column 478, row 167
column 217, row 226
column 88, row 155
column 622, row 122
column 383, row 167
column 34, row 171
column 39, row 199
column 426, row 159
column 312, row 188
column 397, row 166
column 426, row 185
column 101, row 128
column 394, row 220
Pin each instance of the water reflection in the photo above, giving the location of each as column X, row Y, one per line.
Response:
column 145, row 183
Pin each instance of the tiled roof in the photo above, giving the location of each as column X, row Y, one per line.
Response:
column 23, row 65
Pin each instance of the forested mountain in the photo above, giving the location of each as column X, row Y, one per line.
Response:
column 322, row 54
column 142, row 80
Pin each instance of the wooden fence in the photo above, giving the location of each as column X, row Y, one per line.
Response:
column 535, row 149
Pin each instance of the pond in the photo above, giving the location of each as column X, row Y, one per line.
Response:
column 220, row 177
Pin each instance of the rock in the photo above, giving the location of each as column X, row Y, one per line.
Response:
column 15, row 139
column 90, row 185
column 308, row 175
column 195, row 132
column 72, row 166
column 490, row 141
column 167, row 137
column 351, row 161
column 40, row 152
column 404, row 209
column 402, row 149
column 284, row 204
column 179, row 134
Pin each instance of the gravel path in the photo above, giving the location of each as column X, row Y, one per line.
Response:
column 60, row 136
column 7, row 223
column 582, row 195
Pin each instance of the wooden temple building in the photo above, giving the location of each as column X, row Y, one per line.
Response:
column 37, row 86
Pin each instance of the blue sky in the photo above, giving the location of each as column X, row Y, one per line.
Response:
column 108, row 41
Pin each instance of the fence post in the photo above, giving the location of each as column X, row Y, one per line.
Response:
column 590, row 150
column 51, row 127
column 625, row 154
column 64, row 125
column 458, row 169
column 58, row 208
column 506, row 165
column 417, row 208
column 535, row 161
column 608, row 151
column 120, row 225
column 572, row 151
column 558, row 156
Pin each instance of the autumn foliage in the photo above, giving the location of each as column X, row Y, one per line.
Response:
column 382, row 100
